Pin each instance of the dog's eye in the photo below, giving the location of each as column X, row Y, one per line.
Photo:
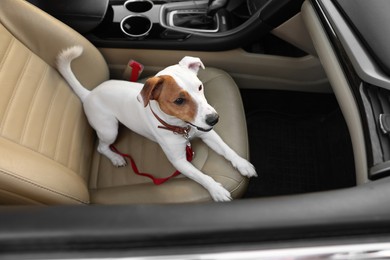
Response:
column 179, row 101
column 200, row 88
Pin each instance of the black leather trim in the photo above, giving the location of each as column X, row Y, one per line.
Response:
column 370, row 20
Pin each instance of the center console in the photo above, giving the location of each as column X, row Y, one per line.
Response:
column 137, row 18
column 147, row 20
column 191, row 17
column 169, row 24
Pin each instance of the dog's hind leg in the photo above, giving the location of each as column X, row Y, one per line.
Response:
column 107, row 133
column 106, row 127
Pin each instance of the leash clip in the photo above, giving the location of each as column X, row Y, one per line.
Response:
column 186, row 134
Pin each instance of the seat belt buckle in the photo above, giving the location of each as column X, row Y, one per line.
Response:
column 133, row 71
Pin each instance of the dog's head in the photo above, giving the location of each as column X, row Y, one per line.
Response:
column 180, row 93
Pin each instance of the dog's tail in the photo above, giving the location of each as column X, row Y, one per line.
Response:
column 63, row 64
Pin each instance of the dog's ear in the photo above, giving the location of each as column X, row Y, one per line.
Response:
column 151, row 90
column 191, row 63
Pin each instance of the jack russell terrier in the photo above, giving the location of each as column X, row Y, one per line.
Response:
column 176, row 100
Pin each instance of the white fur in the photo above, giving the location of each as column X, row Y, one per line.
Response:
column 116, row 101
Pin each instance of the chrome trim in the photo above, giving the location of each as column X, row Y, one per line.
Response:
column 336, row 252
column 382, row 124
column 175, row 6
column 170, row 16
column 121, row 12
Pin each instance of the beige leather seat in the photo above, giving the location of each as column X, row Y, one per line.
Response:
column 47, row 149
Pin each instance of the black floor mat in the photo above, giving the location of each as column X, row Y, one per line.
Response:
column 298, row 143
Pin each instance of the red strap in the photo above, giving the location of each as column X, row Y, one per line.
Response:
column 156, row 181
column 136, row 70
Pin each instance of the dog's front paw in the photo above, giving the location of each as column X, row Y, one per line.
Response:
column 118, row 160
column 245, row 168
column 219, row 193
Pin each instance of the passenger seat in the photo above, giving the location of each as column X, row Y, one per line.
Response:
column 47, row 148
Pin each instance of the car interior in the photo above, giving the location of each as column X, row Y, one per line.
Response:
column 284, row 100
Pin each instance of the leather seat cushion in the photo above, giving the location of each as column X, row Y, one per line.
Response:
column 45, row 141
column 47, row 153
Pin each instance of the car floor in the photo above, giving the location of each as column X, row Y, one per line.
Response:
column 299, row 143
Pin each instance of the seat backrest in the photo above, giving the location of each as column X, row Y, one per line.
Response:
column 45, row 141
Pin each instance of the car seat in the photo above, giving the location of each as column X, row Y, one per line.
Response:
column 47, row 148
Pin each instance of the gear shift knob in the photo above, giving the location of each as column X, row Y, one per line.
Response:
column 214, row 6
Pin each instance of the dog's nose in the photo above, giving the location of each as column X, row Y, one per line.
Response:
column 212, row 119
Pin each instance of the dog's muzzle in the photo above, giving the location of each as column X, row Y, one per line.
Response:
column 211, row 120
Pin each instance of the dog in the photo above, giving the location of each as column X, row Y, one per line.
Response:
column 176, row 101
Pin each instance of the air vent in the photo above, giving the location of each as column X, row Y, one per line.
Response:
column 377, row 104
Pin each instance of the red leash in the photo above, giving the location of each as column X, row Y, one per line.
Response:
column 156, row 181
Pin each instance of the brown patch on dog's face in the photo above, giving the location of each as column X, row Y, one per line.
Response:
column 173, row 99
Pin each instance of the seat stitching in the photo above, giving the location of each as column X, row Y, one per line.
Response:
column 72, row 142
column 14, row 91
column 3, row 61
column 42, row 187
column 59, row 135
column 97, row 174
column 11, row 43
column 45, row 125
column 86, row 136
column 32, row 104
column 224, row 176
column 239, row 185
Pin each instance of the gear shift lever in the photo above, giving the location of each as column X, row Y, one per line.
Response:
column 214, row 6
column 200, row 21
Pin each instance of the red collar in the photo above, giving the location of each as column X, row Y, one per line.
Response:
column 175, row 129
